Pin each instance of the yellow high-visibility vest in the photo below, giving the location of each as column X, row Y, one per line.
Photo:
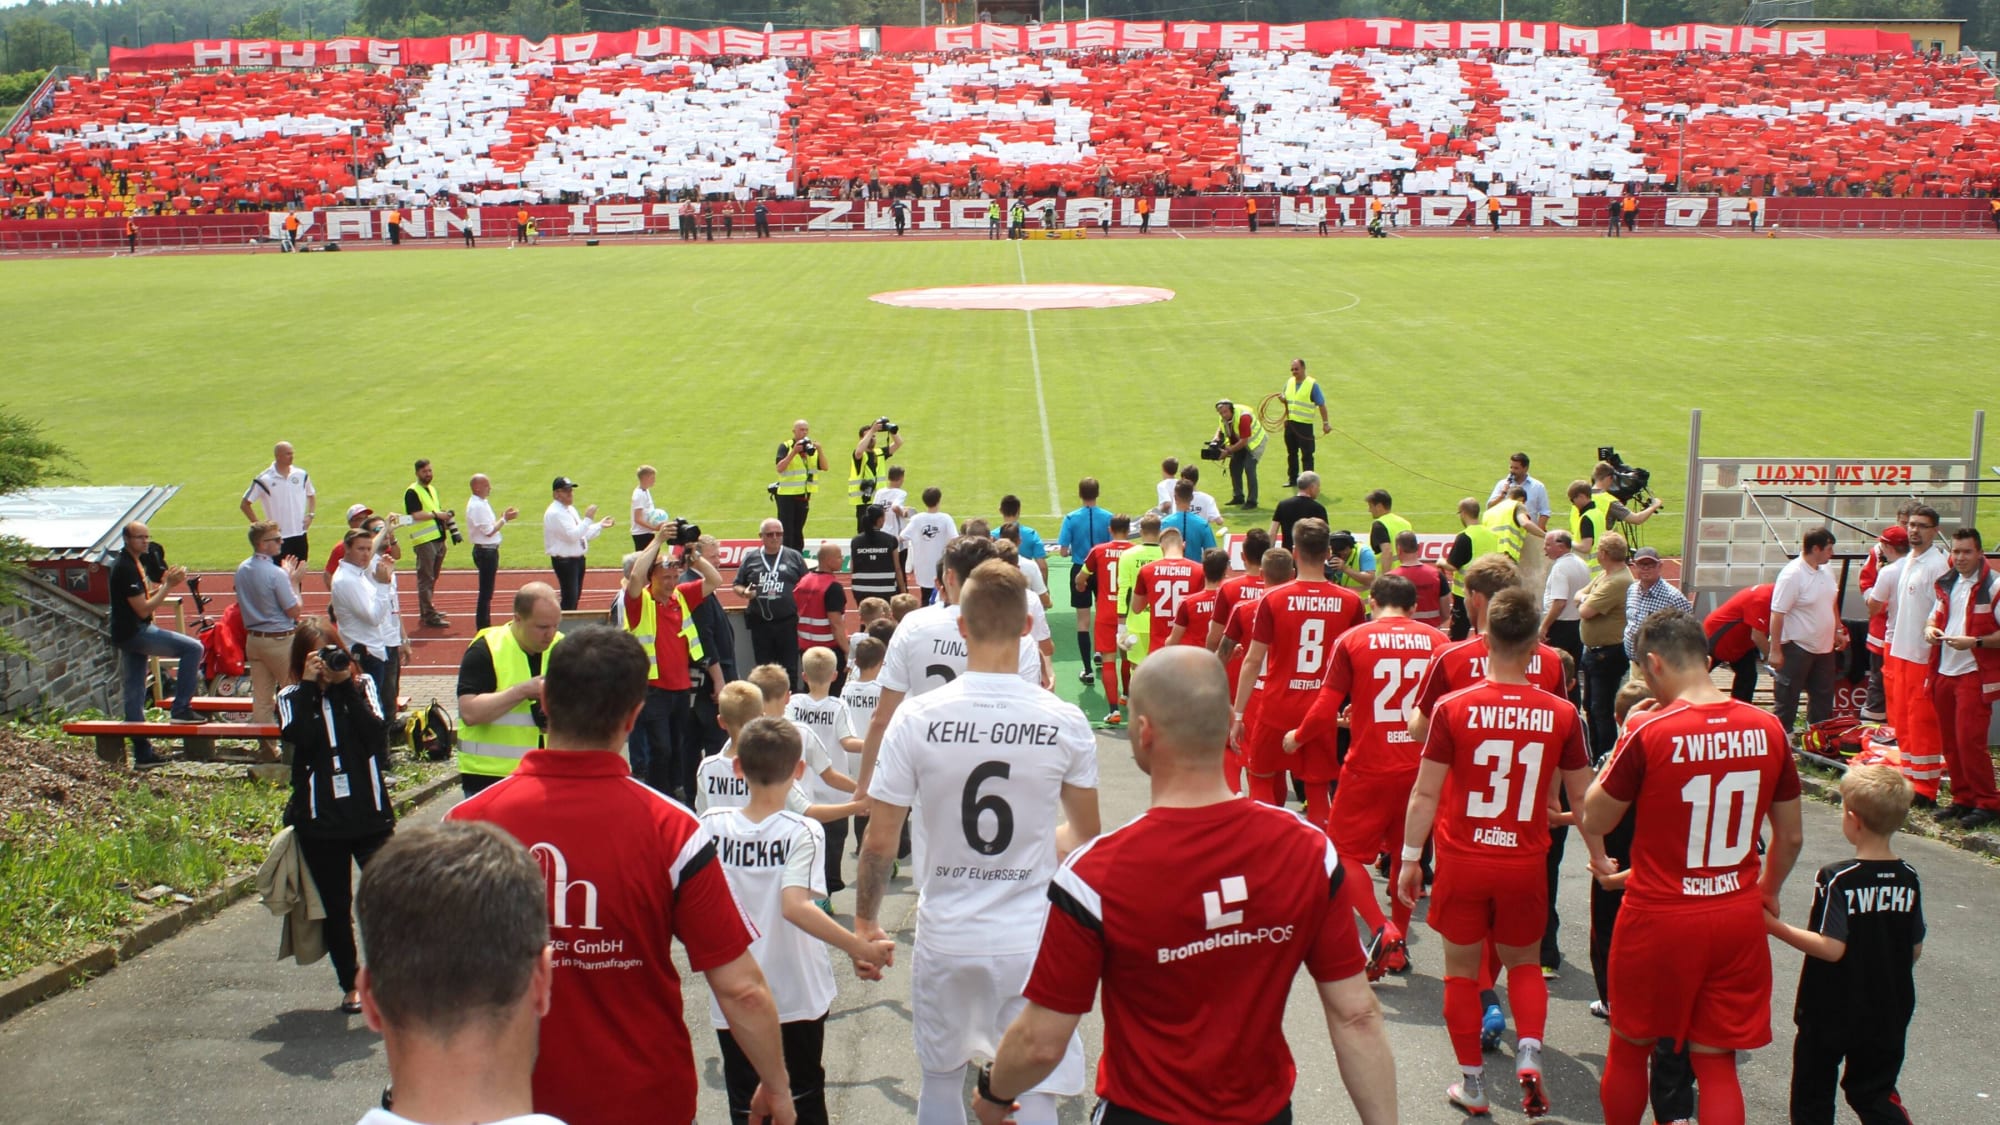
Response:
column 494, row 749
column 647, row 630
column 1299, row 406
column 426, row 531
column 1500, row 520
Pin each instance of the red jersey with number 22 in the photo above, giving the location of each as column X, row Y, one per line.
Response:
column 1196, row 611
column 1464, row 664
column 1161, row 585
column 1376, row 671
column 1298, row 624
column 1506, row 745
column 1702, row 779
column 1102, row 563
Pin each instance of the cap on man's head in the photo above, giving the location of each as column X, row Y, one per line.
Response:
column 562, row 483
column 359, row 510
column 1897, row 537
column 1646, row 554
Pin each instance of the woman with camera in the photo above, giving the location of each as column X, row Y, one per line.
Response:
column 340, row 810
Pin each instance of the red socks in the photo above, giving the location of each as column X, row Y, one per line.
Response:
column 1721, row 1094
column 1528, row 996
column 1269, row 788
column 1360, row 891
column 1112, row 670
column 1623, row 1090
column 1461, row 1018
column 1319, row 805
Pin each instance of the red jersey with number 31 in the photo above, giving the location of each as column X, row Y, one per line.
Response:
column 1161, row 585
column 1506, row 744
column 1376, row 671
column 1701, row 778
column 1102, row 564
column 1298, row 624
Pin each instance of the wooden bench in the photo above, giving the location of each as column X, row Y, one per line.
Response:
column 241, row 704
column 198, row 739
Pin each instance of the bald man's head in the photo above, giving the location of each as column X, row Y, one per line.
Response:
column 829, row 558
column 1180, row 706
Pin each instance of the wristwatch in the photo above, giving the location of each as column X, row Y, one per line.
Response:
column 985, row 1088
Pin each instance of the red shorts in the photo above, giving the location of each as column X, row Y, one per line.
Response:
column 1718, row 993
column 1472, row 901
column 1104, row 636
column 1368, row 814
column 1266, row 753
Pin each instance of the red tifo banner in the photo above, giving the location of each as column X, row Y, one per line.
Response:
column 1087, row 35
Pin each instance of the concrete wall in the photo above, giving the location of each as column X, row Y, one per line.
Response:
column 70, row 664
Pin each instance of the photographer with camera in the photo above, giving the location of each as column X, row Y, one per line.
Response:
column 880, row 440
column 1240, row 440
column 340, row 812
column 430, row 522
column 800, row 462
column 1350, row 562
column 500, row 688
column 664, row 747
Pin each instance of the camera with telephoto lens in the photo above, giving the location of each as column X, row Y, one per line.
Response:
column 1628, row 482
column 335, row 659
column 680, row 533
column 450, row 522
column 885, row 425
column 1214, row 450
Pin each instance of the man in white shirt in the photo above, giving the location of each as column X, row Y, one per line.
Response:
column 363, row 606
column 643, row 527
column 1538, row 493
column 1907, row 656
column 1806, row 633
column 451, row 1059
column 566, row 537
column 985, row 761
column 287, row 494
column 483, row 527
column 1965, row 627
column 1561, row 606
column 926, row 537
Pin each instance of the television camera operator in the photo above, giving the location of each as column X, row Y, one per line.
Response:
column 800, row 463
column 1624, row 485
column 880, row 440
column 1240, row 441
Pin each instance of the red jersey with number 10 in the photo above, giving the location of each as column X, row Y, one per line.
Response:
column 1376, row 671
column 1462, row 665
column 1298, row 624
column 1160, row 586
column 1102, row 564
column 1507, row 745
column 1701, row 778
column 1196, row 611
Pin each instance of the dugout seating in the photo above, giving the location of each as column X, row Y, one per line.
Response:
column 1820, row 124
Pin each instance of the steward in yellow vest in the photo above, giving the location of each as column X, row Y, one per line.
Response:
column 658, row 610
column 1388, row 525
column 500, row 688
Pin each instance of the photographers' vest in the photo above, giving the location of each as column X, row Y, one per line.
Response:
column 647, row 630
column 1234, row 430
column 864, row 475
column 1484, row 542
column 1299, row 406
column 426, row 531
column 1352, row 567
column 796, row 478
column 494, row 749
column 1393, row 524
column 1600, row 522
column 815, row 626
column 1499, row 519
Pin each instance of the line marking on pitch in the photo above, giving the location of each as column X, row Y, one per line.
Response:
column 1041, row 401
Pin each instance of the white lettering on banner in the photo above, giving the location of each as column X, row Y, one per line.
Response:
column 472, row 48
column 1384, row 30
column 1535, row 37
column 1731, row 210
column 1805, row 42
column 968, row 214
column 579, row 218
column 1577, row 40
column 217, row 55
column 1439, row 210
column 829, row 210
column 1430, row 36
column 1708, row 37
column 413, row 225
column 1546, row 211
column 1792, row 473
column 355, row 224
column 448, row 223
column 1478, row 36
column 1685, row 212
column 298, row 54
column 621, row 218
column 556, row 869
column 1760, row 40
column 253, row 54
column 343, row 50
column 927, row 214
column 382, row 53
column 1087, row 212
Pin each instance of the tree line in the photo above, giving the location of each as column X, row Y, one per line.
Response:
column 38, row 34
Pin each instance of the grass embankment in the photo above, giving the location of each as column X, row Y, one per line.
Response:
column 80, row 839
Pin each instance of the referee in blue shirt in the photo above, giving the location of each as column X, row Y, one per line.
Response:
column 1082, row 530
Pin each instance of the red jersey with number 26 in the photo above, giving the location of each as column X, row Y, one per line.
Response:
column 1376, row 671
column 1102, row 563
column 1298, row 624
column 1196, row 611
column 1702, row 778
column 1160, row 586
column 1464, row 664
column 1506, row 745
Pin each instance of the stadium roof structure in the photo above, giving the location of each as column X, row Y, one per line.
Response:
column 86, row 523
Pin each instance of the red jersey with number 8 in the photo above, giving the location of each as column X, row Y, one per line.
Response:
column 1506, row 745
column 1298, row 624
column 1702, row 779
column 1161, row 586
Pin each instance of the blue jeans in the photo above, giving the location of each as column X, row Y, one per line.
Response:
column 151, row 641
column 662, row 747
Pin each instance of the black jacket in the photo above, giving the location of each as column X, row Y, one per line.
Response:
column 340, row 760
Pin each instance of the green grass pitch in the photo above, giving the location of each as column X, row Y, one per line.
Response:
column 1441, row 355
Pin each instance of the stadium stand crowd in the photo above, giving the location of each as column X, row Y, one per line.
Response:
column 978, row 123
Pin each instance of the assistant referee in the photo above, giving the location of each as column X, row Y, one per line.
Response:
column 1164, row 913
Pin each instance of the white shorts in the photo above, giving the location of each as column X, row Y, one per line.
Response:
column 960, row 1006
